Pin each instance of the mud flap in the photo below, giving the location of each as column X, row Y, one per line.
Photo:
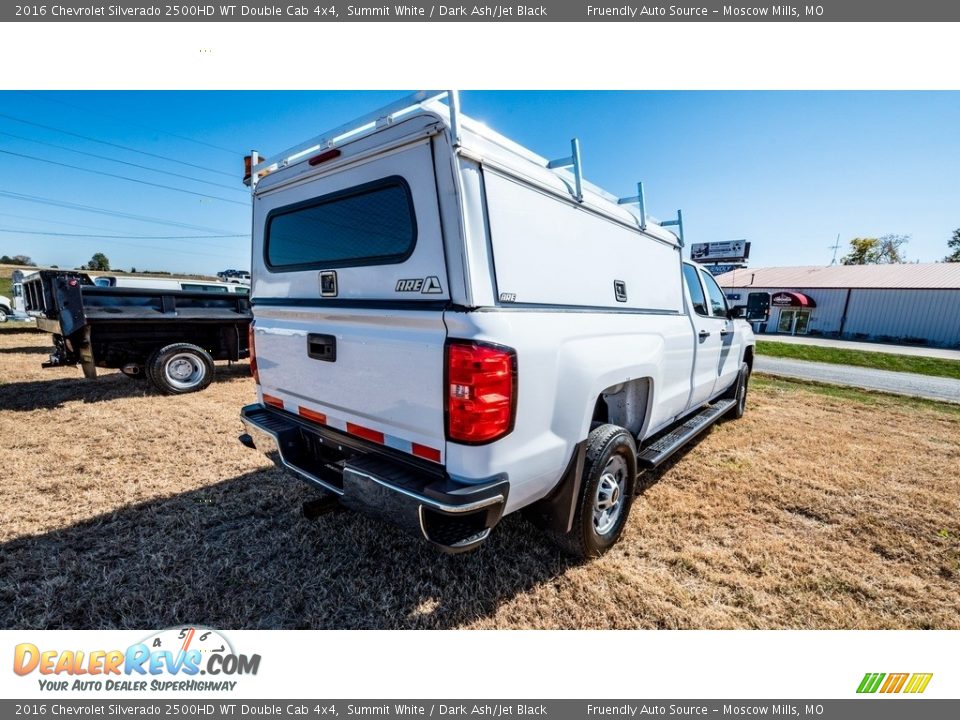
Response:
column 556, row 510
column 86, row 355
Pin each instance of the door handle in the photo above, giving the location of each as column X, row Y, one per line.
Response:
column 704, row 334
column 322, row 347
column 726, row 332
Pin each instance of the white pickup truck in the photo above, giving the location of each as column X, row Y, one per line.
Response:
column 449, row 328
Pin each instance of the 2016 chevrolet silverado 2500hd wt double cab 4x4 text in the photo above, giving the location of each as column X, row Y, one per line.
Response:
column 448, row 329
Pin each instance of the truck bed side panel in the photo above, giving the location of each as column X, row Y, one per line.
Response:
column 564, row 361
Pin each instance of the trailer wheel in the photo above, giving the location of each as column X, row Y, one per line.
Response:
column 606, row 493
column 180, row 368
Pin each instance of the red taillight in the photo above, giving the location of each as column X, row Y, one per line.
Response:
column 253, row 355
column 481, row 391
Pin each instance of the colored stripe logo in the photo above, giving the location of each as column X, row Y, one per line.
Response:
column 913, row 683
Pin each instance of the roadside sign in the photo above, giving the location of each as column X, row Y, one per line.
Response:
column 728, row 251
column 721, row 269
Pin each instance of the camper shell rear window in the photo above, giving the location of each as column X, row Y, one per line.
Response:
column 370, row 224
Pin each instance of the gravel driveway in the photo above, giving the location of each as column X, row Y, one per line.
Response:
column 925, row 386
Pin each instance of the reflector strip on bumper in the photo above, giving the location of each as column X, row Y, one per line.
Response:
column 421, row 451
column 312, row 415
column 273, row 401
column 367, row 434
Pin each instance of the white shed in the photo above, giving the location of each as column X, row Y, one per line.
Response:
column 915, row 303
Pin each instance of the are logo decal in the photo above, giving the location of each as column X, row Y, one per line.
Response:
column 429, row 285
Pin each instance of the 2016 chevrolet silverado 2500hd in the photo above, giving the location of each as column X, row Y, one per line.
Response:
column 448, row 328
column 169, row 335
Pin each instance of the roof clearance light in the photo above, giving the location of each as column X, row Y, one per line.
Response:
column 324, row 156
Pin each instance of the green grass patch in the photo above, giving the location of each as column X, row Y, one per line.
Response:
column 938, row 367
column 6, row 287
column 839, row 392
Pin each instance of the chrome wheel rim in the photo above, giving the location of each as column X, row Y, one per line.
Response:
column 608, row 500
column 184, row 371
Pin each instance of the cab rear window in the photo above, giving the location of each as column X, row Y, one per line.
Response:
column 371, row 224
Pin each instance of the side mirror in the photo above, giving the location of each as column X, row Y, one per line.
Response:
column 735, row 312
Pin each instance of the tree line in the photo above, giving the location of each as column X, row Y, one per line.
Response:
column 888, row 249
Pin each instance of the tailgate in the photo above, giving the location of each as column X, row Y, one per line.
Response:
column 385, row 383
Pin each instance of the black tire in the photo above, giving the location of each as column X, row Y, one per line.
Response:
column 3, row 314
column 180, row 368
column 148, row 366
column 609, row 475
column 739, row 393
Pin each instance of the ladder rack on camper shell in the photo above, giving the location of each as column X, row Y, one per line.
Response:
column 429, row 100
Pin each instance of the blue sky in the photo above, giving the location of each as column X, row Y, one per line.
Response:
column 788, row 171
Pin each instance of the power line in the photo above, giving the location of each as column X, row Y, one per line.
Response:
column 122, row 241
column 120, row 237
column 123, row 177
column 105, row 211
column 121, row 162
column 113, row 232
column 56, row 222
column 116, row 145
column 124, row 121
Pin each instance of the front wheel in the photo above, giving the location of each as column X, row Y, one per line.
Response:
column 180, row 368
column 606, row 493
column 739, row 392
column 4, row 313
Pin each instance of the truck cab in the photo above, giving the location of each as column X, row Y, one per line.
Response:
column 449, row 328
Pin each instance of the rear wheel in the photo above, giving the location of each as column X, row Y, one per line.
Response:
column 606, row 493
column 180, row 368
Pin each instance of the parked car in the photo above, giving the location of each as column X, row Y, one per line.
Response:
column 449, row 329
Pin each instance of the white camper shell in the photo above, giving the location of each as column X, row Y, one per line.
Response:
column 448, row 328
column 168, row 283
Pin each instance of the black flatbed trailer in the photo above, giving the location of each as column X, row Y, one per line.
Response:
column 170, row 337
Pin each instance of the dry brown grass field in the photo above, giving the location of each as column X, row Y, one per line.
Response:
column 122, row 508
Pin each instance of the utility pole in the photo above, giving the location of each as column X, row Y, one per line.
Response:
column 835, row 247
